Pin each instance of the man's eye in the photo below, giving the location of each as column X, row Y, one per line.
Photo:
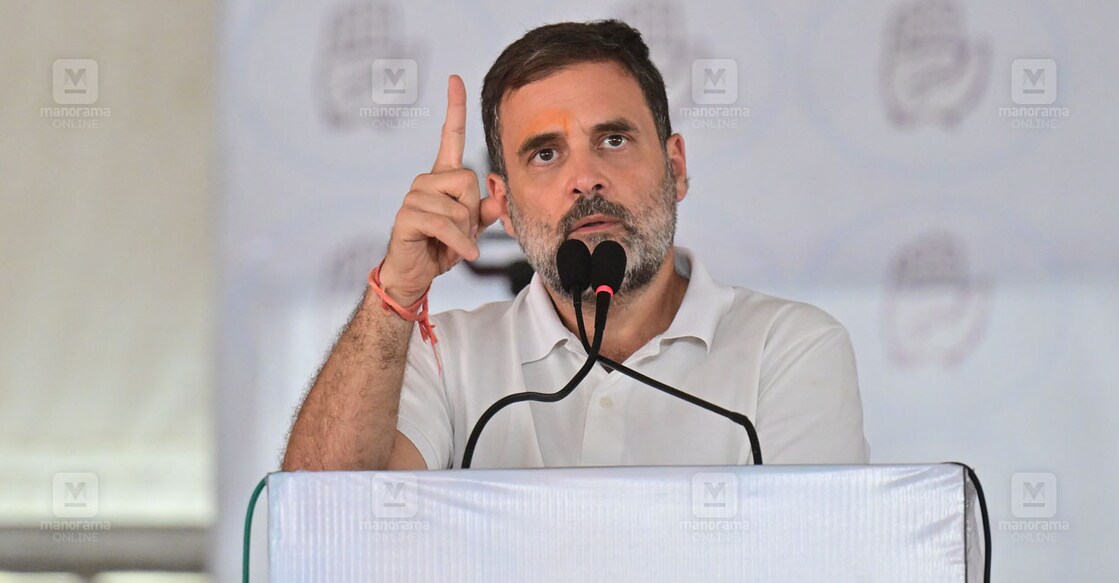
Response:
column 545, row 155
column 615, row 141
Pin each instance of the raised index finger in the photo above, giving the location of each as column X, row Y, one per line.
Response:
column 453, row 140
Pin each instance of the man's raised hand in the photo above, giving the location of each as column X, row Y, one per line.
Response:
column 442, row 214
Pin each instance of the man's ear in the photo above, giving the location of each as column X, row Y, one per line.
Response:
column 674, row 148
column 495, row 184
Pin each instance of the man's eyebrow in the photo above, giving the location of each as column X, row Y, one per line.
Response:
column 616, row 125
column 538, row 141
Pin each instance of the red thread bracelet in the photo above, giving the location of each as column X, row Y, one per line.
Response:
column 417, row 312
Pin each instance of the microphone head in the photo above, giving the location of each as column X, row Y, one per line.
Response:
column 573, row 260
column 608, row 265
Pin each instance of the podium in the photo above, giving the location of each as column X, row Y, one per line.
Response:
column 888, row 523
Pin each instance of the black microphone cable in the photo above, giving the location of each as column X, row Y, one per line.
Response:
column 739, row 418
column 574, row 263
column 608, row 269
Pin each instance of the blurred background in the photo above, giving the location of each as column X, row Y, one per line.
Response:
column 193, row 193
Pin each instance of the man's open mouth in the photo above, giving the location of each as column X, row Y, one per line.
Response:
column 595, row 223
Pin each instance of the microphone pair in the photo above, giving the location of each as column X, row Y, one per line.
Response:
column 579, row 269
column 604, row 271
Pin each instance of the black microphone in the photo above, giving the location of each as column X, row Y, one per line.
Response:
column 605, row 272
column 610, row 257
column 573, row 261
column 608, row 268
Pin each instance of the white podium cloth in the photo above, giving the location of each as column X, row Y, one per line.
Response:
column 914, row 523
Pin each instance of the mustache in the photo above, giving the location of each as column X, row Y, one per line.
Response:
column 597, row 205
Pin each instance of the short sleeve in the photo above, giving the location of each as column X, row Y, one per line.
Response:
column 809, row 407
column 425, row 413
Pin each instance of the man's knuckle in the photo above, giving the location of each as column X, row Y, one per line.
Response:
column 412, row 200
column 464, row 179
column 460, row 213
column 440, row 223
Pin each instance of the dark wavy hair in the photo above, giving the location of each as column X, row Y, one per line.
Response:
column 545, row 50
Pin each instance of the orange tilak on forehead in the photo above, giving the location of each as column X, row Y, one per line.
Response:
column 546, row 122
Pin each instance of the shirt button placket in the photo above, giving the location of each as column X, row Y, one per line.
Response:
column 604, row 436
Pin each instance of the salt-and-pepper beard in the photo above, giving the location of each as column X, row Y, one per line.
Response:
column 649, row 232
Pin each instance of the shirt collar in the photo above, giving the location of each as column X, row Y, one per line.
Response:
column 705, row 302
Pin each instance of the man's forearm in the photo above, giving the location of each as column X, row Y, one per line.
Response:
column 348, row 419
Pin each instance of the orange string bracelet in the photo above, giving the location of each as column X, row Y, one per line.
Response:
column 417, row 312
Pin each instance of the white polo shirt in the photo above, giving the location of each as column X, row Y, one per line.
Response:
column 786, row 365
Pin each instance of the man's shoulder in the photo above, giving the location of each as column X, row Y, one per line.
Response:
column 487, row 317
column 742, row 310
column 775, row 315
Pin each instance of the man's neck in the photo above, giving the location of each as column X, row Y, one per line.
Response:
column 635, row 318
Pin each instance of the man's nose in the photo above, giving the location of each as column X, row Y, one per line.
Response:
column 587, row 176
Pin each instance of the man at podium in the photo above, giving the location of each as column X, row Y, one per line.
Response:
column 580, row 145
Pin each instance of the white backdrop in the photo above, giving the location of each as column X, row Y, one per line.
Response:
column 885, row 172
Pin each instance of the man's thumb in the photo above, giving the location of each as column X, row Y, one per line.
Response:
column 489, row 210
